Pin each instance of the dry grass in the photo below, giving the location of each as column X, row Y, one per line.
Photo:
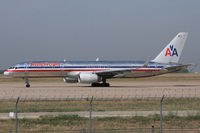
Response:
column 74, row 122
column 101, row 105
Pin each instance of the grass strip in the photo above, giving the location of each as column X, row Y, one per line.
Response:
column 74, row 122
column 101, row 105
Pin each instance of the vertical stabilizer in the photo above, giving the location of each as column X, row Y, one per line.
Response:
column 172, row 52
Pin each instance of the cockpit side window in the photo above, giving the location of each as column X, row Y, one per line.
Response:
column 12, row 67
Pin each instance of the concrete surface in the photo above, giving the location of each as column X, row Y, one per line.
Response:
column 118, row 90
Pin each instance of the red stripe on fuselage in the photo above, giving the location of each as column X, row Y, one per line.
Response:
column 56, row 70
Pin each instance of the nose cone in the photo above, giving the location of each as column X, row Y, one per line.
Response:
column 6, row 73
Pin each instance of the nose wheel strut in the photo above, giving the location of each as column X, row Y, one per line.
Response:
column 27, row 82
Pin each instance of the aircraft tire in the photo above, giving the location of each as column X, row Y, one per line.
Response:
column 28, row 86
column 100, row 85
column 105, row 85
column 95, row 84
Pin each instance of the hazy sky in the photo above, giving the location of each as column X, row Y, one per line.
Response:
column 86, row 29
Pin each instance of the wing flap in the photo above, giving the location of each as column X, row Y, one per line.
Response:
column 112, row 73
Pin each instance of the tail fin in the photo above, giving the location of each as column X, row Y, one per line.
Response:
column 172, row 52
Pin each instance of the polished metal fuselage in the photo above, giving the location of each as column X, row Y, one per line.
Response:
column 37, row 69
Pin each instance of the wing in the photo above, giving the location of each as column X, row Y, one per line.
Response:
column 113, row 73
column 117, row 73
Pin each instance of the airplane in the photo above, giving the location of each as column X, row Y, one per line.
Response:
column 97, row 72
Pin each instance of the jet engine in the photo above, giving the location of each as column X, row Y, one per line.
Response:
column 88, row 78
column 70, row 80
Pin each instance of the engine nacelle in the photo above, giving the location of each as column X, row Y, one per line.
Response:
column 73, row 74
column 88, row 78
column 70, row 80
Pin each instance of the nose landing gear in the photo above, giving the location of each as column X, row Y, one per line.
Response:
column 27, row 82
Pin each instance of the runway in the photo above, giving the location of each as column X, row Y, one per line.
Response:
column 178, row 87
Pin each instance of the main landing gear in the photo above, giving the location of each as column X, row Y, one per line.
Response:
column 104, row 84
column 100, row 85
column 27, row 82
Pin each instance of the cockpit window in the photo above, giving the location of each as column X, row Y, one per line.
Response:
column 13, row 68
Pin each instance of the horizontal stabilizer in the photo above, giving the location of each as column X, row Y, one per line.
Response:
column 179, row 67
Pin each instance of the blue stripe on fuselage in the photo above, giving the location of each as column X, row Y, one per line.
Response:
column 90, row 67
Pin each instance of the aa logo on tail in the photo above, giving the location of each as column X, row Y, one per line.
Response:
column 171, row 51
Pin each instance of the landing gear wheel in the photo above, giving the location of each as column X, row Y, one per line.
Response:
column 27, row 86
column 104, row 84
column 100, row 85
column 95, row 84
column 107, row 85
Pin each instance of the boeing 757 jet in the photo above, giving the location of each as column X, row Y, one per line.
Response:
column 97, row 72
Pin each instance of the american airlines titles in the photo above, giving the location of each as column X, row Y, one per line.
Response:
column 44, row 64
